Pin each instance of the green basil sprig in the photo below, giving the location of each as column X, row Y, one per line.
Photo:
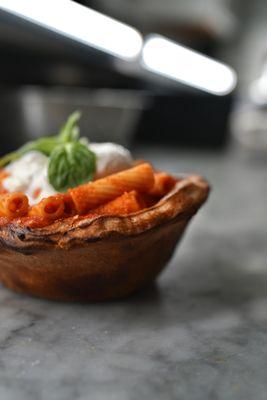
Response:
column 45, row 145
column 70, row 130
column 71, row 163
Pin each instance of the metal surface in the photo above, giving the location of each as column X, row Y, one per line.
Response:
column 30, row 112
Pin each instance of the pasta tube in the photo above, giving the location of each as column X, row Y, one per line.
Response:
column 50, row 208
column 123, row 205
column 69, row 206
column 13, row 205
column 94, row 194
column 163, row 184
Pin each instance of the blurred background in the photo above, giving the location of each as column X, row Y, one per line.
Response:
column 147, row 80
column 183, row 84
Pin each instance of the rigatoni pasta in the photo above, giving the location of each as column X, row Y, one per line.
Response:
column 13, row 205
column 50, row 208
column 162, row 185
column 69, row 206
column 122, row 193
column 93, row 194
column 125, row 204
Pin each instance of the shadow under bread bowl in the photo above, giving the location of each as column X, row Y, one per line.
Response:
column 102, row 257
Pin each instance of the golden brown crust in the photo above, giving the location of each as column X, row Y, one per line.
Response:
column 102, row 257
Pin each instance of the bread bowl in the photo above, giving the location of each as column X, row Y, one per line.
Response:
column 98, row 257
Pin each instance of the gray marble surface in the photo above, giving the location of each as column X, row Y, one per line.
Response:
column 199, row 333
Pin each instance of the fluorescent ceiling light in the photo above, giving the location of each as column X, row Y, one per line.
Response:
column 182, row 64
column 79, row 23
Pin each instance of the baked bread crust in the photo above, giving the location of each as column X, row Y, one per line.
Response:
column 98, row 258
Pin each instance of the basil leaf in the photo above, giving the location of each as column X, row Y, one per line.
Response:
column 70, row 130
column 70, row 165
column 44, row 145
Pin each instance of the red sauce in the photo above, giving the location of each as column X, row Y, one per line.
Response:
column 36, row 193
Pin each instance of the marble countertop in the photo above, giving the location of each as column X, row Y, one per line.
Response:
column 199, row 333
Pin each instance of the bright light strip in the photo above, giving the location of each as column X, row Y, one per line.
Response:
column 80, row 23
column 177, row 62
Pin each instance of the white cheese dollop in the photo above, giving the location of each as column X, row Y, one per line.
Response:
column 110, row 158
column 29, row 173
